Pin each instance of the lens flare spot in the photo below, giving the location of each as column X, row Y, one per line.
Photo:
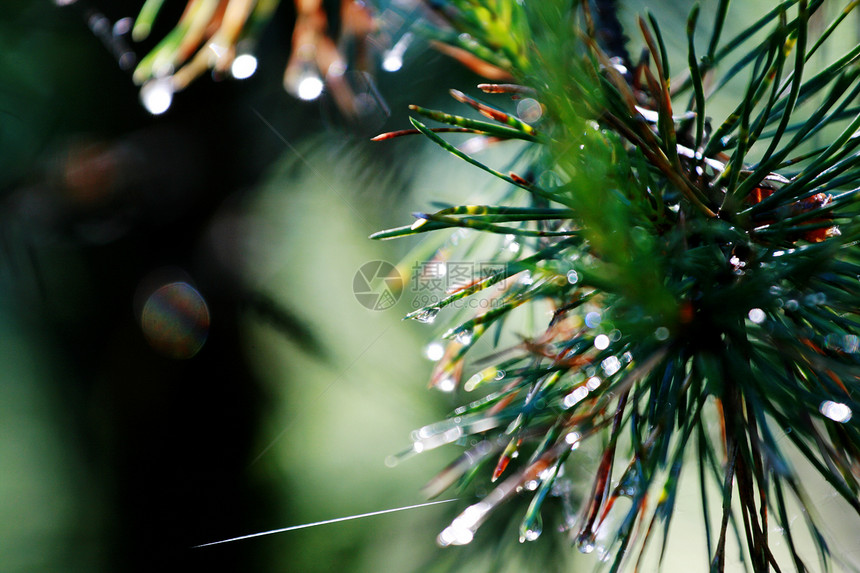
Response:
column 175, row 320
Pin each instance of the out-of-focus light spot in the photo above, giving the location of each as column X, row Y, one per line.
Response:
column 123, row 26
column 601, row 342
column 392, row 62
column 64, row 2
column 836, row 411
column 611, row 365
column 336, row 69
column 157, row 95
column 447, row 384
column 662, row 333
column 434, row 351
column 572, row 277
column 574, row 397
column 310, row 87
column 175, row 320
column 757, row 315
column 592, row 319
column 529, row 110
column 593, row 382
column 243, row 66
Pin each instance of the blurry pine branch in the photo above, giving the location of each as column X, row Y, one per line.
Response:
column 220, row 35
column 697, row 269
column 333, row 51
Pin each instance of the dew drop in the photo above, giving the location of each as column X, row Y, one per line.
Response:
column 586, row 547
column 530, row 534
column 426, row 315
column 464, row 337
column 836, row 411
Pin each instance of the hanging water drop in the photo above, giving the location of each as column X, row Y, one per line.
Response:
column 530, row 534
column 586, row 547
column 426, row 315
column 464, row 337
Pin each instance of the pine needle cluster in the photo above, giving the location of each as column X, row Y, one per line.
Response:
column 703, row 276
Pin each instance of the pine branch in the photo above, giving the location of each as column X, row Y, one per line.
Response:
column 690, row 283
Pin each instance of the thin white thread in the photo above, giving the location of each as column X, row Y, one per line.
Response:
column 325, row 522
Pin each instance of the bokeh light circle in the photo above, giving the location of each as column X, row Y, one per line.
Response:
column 175, row 320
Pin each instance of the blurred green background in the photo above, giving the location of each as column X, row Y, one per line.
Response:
column 115, row 457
